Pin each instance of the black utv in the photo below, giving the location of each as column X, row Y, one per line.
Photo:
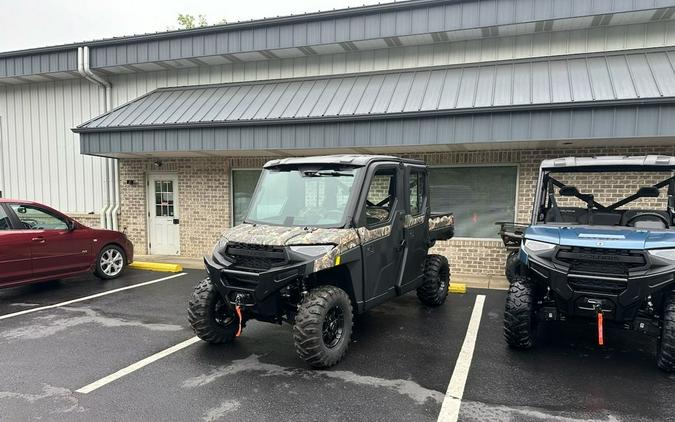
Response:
column 324, row 238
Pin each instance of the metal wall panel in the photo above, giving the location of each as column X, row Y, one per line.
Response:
column 40, row 155
column 589, row 123
column 377, row 22
column 129, row 86
column 541, row 82
column 25, row 65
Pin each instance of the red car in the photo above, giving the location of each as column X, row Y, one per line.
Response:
column 38, row 243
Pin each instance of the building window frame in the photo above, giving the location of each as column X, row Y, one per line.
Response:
column 515, row 200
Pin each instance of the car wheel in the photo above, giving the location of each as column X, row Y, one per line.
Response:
column 520, row 323
column 665, row 354
column 434, row 289
column 209, row 316
column 110, row 262
column 323, row 326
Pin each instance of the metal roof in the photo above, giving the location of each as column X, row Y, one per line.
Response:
column 377, row 26
column 545, row 83
column 658, row 162
column 344, row 159
column 606, row 125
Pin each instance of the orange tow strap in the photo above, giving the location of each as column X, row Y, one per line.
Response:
column 601, row 338
column 238, row 310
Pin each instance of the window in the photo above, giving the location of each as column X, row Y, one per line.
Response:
column 381, row 197
column 4, row 220
column 36, row 219
column 478, row 196
column 164, row 206
column 305, row 196
column 243, row 186
column 416, row 192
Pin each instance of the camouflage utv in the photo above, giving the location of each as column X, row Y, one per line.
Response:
column 324, row 238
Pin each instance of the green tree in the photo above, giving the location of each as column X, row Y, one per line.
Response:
column 187, row 21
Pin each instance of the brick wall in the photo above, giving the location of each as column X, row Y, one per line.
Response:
column 204, row 189
column 89, row 220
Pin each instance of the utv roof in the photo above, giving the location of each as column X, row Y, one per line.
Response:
column 358, row 160
column 611, row 163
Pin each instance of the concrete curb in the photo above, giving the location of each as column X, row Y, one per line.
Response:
column 156, row 266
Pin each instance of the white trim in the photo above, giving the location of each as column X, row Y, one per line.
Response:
column 515, row 200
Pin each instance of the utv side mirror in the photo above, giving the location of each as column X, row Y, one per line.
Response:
column 569, row 191
column 648, row 192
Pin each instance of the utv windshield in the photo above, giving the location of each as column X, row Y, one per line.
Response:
column 304, row 196
column 642, row 199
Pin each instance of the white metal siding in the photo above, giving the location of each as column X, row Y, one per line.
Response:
column 40, row 156
column 657, row 34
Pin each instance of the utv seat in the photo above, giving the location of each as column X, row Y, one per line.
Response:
column 646, row 221
column 564, row 215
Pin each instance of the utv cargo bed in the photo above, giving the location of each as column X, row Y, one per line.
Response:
column 441, row 226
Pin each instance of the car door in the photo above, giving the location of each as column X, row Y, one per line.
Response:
column 416, row 228
column 380, row 228
column 56, row 250
column 15, row 254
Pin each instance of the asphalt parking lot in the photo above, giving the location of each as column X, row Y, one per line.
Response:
column 398, row 367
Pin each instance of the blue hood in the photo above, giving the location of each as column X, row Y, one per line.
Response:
column 602, row 237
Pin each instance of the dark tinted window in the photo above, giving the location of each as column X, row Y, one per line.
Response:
column 416, row 191
column 4, row 220
column 33, row 218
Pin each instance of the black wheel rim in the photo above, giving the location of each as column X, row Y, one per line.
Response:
column 443, row 281
column 333, row 326
column 221, row 314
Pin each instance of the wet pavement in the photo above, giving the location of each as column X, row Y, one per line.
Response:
column 397, row 368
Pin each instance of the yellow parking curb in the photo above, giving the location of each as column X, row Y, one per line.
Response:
column 156, row 266
column 457, row 288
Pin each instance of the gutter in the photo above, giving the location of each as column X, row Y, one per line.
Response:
column 110, row 185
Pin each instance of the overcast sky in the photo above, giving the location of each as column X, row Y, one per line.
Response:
column 38, row 23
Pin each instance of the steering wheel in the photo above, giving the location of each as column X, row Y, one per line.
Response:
column 30, row 223
column 649, row 214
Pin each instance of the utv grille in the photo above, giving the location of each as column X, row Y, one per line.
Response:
column 611, row 262
column 255, row 257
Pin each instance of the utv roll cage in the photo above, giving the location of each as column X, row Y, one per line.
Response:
column 546, row 208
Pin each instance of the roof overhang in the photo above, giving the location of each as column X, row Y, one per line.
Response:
column 399, row 24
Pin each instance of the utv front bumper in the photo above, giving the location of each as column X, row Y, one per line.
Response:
column 583, row 290
column 257, row 292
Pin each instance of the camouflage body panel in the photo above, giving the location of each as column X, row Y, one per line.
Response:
column 344, row 239
column 441, row 222
column 368, row 235
column 411, row 221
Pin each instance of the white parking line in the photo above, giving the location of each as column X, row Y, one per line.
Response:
column 136, row 366
column 455, row 392
column 109, row 292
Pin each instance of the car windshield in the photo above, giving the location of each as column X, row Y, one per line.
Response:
column 609, row 198
column 305, row 196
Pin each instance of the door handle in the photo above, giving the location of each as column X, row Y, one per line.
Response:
column 176, row 221
column 38, row 239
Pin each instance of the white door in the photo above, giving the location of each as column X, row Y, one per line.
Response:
column 163, row 215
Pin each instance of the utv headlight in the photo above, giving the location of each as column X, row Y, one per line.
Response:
column 312, row 250
column 536, row 246
column 668, row 254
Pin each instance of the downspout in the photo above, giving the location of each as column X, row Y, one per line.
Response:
column 109, row 212
column 106, row 180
